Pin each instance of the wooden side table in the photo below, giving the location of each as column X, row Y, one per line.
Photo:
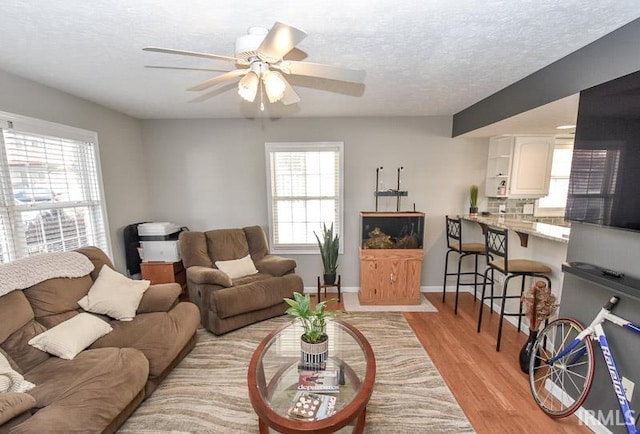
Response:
column 325, row 286
column 166, row 272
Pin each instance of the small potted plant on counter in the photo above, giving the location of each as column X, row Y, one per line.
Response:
column 473, row 201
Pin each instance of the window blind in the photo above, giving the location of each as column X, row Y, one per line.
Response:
column 51, row 195
column 305, row 191
column 592, row 185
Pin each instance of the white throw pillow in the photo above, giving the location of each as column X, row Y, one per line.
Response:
column 115, row 295
column 237, row 267
column 70, row 337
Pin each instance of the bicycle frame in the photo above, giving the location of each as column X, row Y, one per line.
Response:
column 595, row 331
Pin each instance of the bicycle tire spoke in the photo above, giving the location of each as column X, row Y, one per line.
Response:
column 564, row 390
column 575, row 350
column 547, row 396
column 577, row 374
column 574, row 383
column 546, row 353
column 544, row 377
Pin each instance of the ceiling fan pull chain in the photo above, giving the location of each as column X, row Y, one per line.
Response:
column 261, row 94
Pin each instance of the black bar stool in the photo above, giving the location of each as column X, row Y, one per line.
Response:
column 497, row 244
column 455, row 244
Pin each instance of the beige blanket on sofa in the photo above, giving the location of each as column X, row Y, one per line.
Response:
column 26, row 272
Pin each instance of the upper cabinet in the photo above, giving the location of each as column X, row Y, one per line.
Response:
column 519, row 166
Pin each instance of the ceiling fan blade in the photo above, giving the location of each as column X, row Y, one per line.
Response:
column 290, row 95
column 181, row 68
column 322, row 71
column 193, row 54
column 215, row 92
column 280, row 40
column 219, row 79
column 296, row 54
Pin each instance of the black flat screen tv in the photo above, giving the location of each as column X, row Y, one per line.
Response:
column 604, row 186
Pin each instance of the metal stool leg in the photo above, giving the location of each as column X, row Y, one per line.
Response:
column 475, row 278
column 492, row 296
column 446, row 265
column 484, row 288
column 524, row 277
column 504, row 302
column 455, row 309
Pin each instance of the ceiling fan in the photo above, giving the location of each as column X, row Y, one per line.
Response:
column 260, row 61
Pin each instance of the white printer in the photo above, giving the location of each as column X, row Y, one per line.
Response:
column 159, row 242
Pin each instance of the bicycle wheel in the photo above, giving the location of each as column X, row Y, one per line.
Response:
column 560, row 388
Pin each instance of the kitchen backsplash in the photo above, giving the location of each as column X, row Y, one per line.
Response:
column 514, row 209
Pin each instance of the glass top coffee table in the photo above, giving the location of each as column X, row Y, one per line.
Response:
column 274, row 372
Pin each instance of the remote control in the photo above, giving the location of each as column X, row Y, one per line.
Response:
column 612, row 273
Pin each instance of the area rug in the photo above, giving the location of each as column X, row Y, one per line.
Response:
column 207, row 391
column 352, row 304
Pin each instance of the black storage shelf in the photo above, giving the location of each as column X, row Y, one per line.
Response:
column 625, row 285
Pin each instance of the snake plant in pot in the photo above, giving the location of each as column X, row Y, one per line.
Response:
column 473, row 201
column 329, row 244
column 314, row 341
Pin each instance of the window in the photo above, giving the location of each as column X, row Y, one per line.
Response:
column 593, row 185
column 51, row 196
column 554, row 203
column 304, row 185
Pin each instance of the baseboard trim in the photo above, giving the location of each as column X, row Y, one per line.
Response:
column 314, row 289
column 424, row 289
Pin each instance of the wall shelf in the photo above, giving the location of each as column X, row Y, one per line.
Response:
column 624, row 285
column 390, row 193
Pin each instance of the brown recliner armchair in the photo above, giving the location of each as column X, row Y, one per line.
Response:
column 227, row 304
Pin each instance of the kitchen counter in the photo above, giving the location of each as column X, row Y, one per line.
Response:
column 525, row 228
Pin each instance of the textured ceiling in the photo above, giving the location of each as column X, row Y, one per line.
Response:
column 422, row 57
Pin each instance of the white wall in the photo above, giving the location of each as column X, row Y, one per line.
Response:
column 209, row 174
column 120, row 146
column 619, row 250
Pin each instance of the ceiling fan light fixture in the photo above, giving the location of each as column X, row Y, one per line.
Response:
column 274, row 85
column 248, row 86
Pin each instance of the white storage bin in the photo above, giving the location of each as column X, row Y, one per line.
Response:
column 157, row 228
column 160, row 251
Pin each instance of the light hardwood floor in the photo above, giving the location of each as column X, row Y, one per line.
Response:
column 489, row 386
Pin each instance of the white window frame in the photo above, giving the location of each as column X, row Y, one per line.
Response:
column 30, row 125
column 540, row 211
column 303, row 147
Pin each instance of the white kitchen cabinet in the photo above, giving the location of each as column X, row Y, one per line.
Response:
column 521, row 165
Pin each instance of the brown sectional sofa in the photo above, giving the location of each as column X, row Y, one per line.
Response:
column 101, row 386
column 228, row 304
